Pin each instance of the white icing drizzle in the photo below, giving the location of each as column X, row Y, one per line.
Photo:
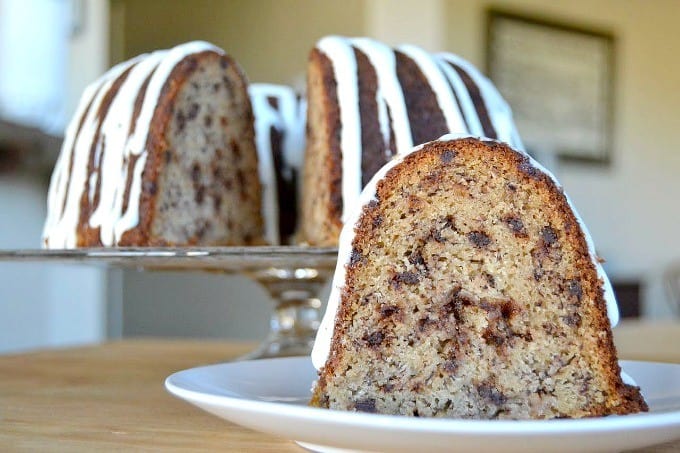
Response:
column 446, row 84
column 288, row 119
column 59, row 180
column 499, row 111
column 341, row 53
column 61, row 229
column 114, row 135
column 61, row 232
column 266, row 117
column 324, row 336
column 389, row 93
column 440, row 87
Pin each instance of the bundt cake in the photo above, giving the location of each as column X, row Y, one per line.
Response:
column 368, row 102
column 280, row 139
column 160, row 152
column 467, row 287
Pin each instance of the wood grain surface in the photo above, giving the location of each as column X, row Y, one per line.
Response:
column 111, row 396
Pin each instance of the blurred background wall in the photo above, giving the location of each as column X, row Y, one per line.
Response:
column 630, row 205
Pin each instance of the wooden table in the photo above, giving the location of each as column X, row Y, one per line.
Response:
column 111, row 396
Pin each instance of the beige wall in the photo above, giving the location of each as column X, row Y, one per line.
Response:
column 269, row 38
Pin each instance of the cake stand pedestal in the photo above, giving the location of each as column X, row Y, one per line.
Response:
column 292, row 276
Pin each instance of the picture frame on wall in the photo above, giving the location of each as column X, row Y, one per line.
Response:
column 559, row 80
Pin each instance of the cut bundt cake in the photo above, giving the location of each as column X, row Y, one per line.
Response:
column 368, row 102
column 280, row 139
column 467, row 287
column 160, row 152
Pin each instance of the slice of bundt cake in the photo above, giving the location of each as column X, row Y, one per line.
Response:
column 160, row 152
column 280, row 139
column 467, row 287
column 368, row 102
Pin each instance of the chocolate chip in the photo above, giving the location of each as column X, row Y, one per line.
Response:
column 355, row 257
column 180, row 120
column 200, row 194
column 195, row 173
column 193, row 111
column 549, row 235
column 367, row 405
column 516, row 225
column 416, row 258
column 573, row 320
column 575, row 289
column 207, row 121
column 410, row 278
column 150, row 187
column 479, row 239
column 528, row 169
column 447, row 156
column 450, row 366
column 217, row 202
column 375, row 338
column 388, row 310
column 490, row 393
column 224, row 63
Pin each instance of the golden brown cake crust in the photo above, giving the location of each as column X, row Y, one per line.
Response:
column 470, row 293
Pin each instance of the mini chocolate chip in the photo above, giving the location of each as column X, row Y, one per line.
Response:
column 195, row 173
column 367, row 405
column 490, row 393
column 575, row 289
column 538, row 274
column 410, row 278
column 447, row 156
column 200, row 193
column 168, row 156
column 224, row 63
column 516, row 225
column 573, row 320
column 355, row 257
column 207, row 121
column 425, row 322
column 193, row 111
column 450, row 366
column 549, row 235
column 479, row 239
column 388, row 310
column 151, row 187
column 416, row 258
column 375, row 338
column 490, row 279
column 528, row 169
column 217, row 202
column 180, row 120
column 508, row 309
column 511, row 186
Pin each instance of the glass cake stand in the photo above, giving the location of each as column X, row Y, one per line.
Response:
column 293, row 277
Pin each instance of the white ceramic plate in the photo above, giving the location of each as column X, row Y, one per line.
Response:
column 271, row 396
